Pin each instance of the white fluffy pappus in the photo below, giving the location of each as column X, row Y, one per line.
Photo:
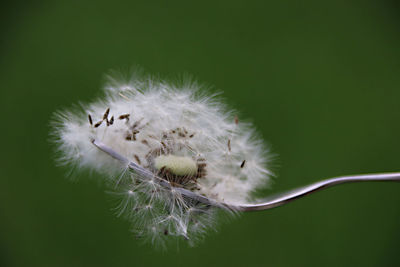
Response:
column 183, row 138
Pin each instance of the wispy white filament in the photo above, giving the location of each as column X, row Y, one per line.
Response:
column 174, row 132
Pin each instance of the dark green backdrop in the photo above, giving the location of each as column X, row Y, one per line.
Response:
column 320, row 79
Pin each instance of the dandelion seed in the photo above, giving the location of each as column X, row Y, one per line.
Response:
column 236, row 120
column 182, row 162
column 105, row 116
column 90, row 119
column 124, row 116
column 98, row 124
column 242, row 164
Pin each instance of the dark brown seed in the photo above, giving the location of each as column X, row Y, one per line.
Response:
column 135, row 132
column 201, row 174
column 137, row 158
column 136, row 124
column 98, row 124
column 152, row 136
column 128, row 137
column 181, row 134
column 165, row 232
column 90, row 119
column 163, row 144
column 124, row 116
column 112, row 120
column 229, row 144
column 145, row 142
column 191, row 135
column 105, row 116
column 242, row 165
column 161, row 171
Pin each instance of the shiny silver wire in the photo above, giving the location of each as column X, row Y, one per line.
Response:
column 276, row 201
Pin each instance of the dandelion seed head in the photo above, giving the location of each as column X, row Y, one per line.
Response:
column 177, row 134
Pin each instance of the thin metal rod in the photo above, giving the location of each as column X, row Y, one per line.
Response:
column 276, row 201
column 318, row 186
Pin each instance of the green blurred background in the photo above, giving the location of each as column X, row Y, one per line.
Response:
column 320, row 79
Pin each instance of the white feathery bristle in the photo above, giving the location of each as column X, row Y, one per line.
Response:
column 187, row 138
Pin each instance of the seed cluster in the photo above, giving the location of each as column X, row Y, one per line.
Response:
column 168, row 146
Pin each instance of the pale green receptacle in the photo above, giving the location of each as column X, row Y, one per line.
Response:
column 182, row 166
